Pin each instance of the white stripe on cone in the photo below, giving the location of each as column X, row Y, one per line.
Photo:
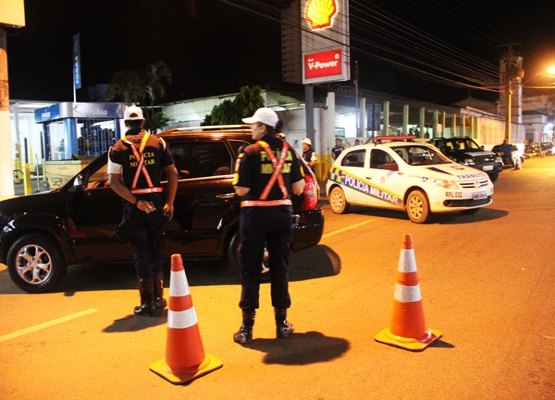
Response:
column 179, row 286
column 182, row 319
column 407, row 294
column 407, row 262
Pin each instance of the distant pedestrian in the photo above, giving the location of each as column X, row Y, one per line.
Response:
column 338, row 148
column 309, row 155
column 507, row 150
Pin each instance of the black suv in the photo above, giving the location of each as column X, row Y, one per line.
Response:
column 466, row 151
column 41, row 234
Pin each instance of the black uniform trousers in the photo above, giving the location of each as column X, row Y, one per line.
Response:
column 146, row 234
column 260, row 226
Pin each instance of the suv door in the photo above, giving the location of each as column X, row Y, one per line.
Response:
column 93, row 210
column 205, row 205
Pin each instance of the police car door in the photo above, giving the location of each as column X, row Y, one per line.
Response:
column 353, row 171
column 383, row 179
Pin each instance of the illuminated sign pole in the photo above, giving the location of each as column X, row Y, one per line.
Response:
column 325, row 48
column 76, row 64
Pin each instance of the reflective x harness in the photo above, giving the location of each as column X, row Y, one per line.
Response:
column 276, row 176
column 139, row 156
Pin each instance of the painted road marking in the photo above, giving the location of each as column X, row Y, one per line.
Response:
column 347, row 228
column 48, row 324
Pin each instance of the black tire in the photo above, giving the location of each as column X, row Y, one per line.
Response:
column 337, row 200
column 232, row 253
column 234, row 261
column 418, row 207
column 493, row 176
column 35, row 263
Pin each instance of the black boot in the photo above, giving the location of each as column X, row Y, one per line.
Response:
column 283, row 328
column 244, row 334
column 158, row 294
column 146, row 292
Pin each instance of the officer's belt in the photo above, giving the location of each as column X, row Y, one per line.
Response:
column 266, row 203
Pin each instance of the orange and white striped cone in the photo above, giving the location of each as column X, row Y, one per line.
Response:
column 408, row 327
column 185, row 358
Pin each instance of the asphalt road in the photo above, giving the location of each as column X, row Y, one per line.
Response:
column 487, row 282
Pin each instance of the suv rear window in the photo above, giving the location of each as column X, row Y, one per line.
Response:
column 201, row 159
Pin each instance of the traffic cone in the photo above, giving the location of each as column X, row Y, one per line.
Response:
column 408, row 327
column 185, row 358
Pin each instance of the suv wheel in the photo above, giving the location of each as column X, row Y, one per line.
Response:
column 418, row 208
column 234, row 260
column 35, row 263
column 338, row 202
column 232, row 252
column 493, row 176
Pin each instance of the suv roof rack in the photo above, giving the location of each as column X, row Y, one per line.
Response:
column 209, row 128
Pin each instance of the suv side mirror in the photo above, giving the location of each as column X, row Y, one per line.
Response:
column 78, row 182
column 482, row 147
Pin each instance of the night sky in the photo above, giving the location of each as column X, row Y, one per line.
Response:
column 220, row 47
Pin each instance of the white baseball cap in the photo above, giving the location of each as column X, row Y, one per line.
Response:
column 264, row 115
column 307, row 141
column 133, row 113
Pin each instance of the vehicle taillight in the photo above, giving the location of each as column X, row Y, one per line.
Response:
column 310, row 193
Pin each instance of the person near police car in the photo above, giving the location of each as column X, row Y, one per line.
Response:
column 266, row 174
column 338, row 148
column 135, row 166
column 309, row 155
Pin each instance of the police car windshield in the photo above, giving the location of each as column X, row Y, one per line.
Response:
column 420, row 155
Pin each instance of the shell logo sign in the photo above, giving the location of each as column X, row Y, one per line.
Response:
column 320, row 13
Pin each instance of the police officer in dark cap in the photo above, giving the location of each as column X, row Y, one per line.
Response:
column 267, row 173
column 135, row 165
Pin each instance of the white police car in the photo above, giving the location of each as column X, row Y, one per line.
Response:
column 409, row 176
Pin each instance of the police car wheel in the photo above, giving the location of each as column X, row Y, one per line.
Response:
column 418, row 208
column 35, row 263
column 338, row 202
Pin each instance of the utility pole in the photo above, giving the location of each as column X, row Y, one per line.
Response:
column 511, row 72
column 357, row 105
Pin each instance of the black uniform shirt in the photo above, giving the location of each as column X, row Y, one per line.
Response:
column 156, row 156
column 255, row 168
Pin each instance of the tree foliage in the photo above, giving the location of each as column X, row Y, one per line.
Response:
column 230, row 112
column 142, row 86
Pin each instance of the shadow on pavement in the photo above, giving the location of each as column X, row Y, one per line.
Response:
column 456, row 218
column 132, row 323
column 301, row 349
column 315, row 262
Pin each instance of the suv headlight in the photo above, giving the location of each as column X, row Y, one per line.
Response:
column 468, row 161
column 445, row 184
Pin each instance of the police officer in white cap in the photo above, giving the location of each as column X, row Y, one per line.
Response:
column 135, row 165
column 309, row 155
column 266, row 175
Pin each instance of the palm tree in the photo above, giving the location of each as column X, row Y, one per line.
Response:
column 157, row 76
column 128, row 86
